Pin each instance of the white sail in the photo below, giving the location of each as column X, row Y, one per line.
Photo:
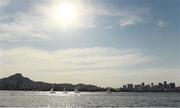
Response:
column 108, row 90
column 52, row 89
column 76, row 90
column 64, row 91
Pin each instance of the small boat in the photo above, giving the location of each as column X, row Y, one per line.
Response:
column 64, row 91
column 76, row 90
column 108, row 90
column 52, row 89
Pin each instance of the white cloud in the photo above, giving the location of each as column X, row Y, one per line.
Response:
column 131, row 20
column 88, row 65
column 3, row 3
column 37, row 23
column 71, row 60
column 127, row 16
column 161, row 24
column 134, row 16
column 25, row 27
column 102, row 66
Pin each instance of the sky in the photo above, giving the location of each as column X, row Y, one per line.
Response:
column 101, row 42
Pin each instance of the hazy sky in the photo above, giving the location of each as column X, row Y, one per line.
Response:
column 102, row 42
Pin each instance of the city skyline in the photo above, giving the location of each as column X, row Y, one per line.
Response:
column 88, row 41
column 143, row 87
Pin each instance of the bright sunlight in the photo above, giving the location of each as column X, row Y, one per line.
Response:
column 67, row 14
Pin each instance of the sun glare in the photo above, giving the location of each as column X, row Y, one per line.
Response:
column 67, row 14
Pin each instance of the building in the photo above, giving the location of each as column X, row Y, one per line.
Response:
column 130, row 87
column 160, row 85
column 137, row 86
column 172, row 85
column 124, row 86
column 143, row 84
column 152, row 84
column 165, row 84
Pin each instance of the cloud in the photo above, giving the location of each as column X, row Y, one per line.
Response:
column 24, row 28
column 34, row 20
column 98, row 65
column 125, row 16
column 161, row 24
column 133, row 17
column 70, row 60
column 3, row 3
column 131, row 20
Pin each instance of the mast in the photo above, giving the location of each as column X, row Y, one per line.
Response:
column 108, row 90
column 52, row 88
column 76, row 89
column 64, row 88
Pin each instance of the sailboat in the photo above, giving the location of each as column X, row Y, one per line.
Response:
column 76, row 90
column 108, row 90
column 64, row 91
column 52, row 89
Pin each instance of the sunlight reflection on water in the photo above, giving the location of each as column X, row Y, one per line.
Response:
column 87, row 99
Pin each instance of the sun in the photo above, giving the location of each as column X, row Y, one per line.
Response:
column 67, row 13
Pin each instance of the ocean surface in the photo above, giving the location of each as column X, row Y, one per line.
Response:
column 88, row 99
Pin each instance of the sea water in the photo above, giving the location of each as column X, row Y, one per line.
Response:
column 88, row 99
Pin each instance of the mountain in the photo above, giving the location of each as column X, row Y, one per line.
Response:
column 19, row 82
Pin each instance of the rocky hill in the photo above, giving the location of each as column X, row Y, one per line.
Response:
column 19, row 82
